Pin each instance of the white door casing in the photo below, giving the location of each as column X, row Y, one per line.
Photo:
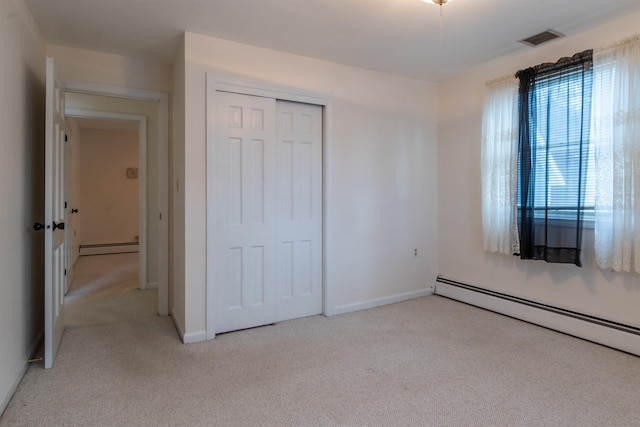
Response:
column 299, row 209
column 267, row 211
column 54, row 256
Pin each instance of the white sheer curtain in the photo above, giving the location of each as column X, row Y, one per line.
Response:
column 500, row 167
column 616, row 133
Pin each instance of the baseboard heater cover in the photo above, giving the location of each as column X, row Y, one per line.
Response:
column 602, row 331
column 109, row 248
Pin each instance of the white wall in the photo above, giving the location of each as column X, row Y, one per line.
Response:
column 22, row 97
column 108, row 204
column 383, row 172
column 82, row 65
column 461, row 257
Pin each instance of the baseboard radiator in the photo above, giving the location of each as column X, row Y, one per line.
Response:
column 109, row 248
column 602, row 331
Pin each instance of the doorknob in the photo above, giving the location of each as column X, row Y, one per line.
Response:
column 38, row 226
column 58, row 226
column 73, row 210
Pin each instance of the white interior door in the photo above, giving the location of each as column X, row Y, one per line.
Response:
column 244, row 252
column 299, row 210
column 54, row 257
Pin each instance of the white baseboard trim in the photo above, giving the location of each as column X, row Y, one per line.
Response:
column 19, row 373
column 349, row 308
column 152, row 285
column 187, row 338
column 193, row 337
column 599, row 331
column 109, row 249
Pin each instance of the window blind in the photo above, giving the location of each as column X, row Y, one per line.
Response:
column 563, row 161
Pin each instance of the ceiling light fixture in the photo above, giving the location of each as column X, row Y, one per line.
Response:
column 439, row 3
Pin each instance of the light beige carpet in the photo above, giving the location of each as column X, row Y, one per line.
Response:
column 425, row 362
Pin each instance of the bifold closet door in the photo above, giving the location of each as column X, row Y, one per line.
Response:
column 268, row 211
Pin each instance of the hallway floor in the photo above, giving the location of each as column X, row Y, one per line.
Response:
column 100, row 287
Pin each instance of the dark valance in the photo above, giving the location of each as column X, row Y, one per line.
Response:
column 583, row 59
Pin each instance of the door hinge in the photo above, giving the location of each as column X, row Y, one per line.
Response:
column 65, row 271
column 66, row 137
column 65, row 205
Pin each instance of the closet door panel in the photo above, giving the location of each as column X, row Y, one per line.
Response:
column 299, row 209
column 245, row 221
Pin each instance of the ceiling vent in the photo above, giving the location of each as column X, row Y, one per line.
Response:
column 543, row 37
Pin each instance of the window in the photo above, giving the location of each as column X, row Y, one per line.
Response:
column 560, row 144
column 564, row 169
column 554, row 110
column 562, row 154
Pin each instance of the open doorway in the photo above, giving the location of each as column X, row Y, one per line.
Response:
column 135, row 115
column 105, row 184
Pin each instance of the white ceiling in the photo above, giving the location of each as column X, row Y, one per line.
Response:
column 395, row 36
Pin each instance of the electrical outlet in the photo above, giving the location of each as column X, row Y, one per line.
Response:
column 415, row 253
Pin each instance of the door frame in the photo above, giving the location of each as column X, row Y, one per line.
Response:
column 220, row 83
column 142, row 178
column 162, row 100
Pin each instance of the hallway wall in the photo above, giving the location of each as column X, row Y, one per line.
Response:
column 108, row 198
